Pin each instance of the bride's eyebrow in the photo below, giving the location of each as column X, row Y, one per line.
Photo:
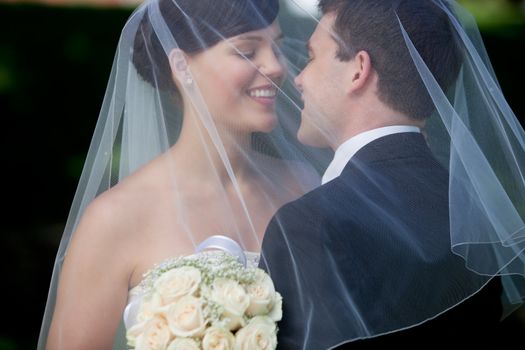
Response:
column 258, row 37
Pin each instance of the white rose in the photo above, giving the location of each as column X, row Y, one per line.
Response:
column 217, row 338
column 262, row 294
column 259, row 334
column 232, row 296
column 134, row 332
column 148, row 307
column 276, row 314
column 176, row 283
column 155, row 335
column 185, row 317
column 183, row 344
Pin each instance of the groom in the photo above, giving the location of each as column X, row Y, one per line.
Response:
column 369, row 251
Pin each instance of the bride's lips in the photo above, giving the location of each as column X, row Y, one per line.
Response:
column 264, row 95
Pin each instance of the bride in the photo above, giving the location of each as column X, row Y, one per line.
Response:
column 188, row 145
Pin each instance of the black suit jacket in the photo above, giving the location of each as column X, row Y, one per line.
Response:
column 371, row 249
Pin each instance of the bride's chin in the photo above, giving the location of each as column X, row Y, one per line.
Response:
column 267, row 123
column 257, row 122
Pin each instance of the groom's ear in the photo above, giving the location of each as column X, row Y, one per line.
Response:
column 360, row 72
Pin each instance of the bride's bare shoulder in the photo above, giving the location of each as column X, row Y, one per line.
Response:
column 117, row 211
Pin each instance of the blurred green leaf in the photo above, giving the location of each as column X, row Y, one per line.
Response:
column 7, row 344
column 7, row 70
column 496, row 14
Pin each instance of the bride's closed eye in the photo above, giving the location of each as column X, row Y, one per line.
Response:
column 246, row 54
column 244, row 51
column 251, row 53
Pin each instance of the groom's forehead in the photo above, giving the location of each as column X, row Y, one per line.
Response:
column 324, row 31
column 323, row 37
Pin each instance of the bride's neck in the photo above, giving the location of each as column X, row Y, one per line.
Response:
column 213, row 153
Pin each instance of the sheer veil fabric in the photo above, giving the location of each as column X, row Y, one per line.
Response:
column 197, row 137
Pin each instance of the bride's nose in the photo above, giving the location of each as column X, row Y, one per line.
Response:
column 272, row 65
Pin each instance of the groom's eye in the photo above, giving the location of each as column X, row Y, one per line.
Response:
column 309, row 59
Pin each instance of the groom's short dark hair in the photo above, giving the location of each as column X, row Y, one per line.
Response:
column 373, row 26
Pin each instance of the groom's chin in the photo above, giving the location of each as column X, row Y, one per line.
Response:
column 311, row 136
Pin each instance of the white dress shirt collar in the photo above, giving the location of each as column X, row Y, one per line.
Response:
column 349, row 148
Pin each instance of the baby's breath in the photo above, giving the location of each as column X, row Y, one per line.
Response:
column 212, row 265
column 213, row 312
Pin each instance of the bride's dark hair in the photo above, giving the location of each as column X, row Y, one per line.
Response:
column 195, row 25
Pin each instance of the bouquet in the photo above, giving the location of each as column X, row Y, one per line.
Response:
column 204, row 302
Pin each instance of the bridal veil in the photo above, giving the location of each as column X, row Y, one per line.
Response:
column 239, row 111
column 197, row 128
